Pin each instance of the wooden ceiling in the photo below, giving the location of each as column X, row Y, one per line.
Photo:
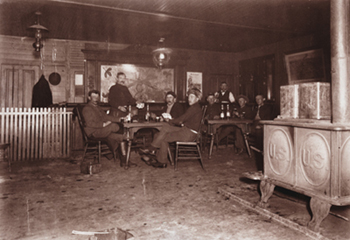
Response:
column 214, row 25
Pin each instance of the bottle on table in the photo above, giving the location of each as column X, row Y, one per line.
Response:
column 128, row 117
column 148, row 114
column 222, row 114
column 228, row 113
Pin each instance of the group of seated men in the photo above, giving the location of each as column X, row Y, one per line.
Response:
column 258, row 112
column 183, row 125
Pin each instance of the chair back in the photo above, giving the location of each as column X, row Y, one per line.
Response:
column 204, row 110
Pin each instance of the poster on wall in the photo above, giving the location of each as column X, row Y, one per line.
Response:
column 146, row 84
column 194, row 79
column 307, row 66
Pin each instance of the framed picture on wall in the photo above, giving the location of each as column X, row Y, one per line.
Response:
column 307, row 66
column 146, row 84
column 194, row 79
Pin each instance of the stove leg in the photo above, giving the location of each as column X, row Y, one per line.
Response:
column 266, row 189
column 320, row 210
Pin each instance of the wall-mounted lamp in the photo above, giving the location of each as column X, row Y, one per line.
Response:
column 38, row 33
column 161, row 55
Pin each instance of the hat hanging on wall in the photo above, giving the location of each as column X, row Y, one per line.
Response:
column 55, row 78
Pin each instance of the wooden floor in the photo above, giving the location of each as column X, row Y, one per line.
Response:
column 50, row 199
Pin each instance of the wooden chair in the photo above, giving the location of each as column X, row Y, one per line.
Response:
column 228, row 139
column 92, row 145
column 250, row 141
column 143, row 138
column 205, row 137
column 189, row 150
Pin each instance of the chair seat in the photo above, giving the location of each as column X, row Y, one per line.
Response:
column 186, row 143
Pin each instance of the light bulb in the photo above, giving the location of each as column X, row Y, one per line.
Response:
column 38, row 34
column 161, row 56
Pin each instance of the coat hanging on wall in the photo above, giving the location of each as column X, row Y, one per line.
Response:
column 42, row 96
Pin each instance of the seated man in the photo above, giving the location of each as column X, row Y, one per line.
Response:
column 213, row 112
column 100, row 125
column 190, row 122
column 261, row 112
column 174, row 108
column 213, row 108
column 243, row 111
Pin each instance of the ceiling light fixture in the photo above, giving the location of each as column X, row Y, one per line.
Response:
column 161, row 55
column 38, row 33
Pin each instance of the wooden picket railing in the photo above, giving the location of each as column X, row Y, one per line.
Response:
column 36, row 133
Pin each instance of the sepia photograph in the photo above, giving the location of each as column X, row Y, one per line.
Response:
column 175, row 119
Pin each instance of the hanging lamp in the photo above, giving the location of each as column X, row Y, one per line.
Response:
column 161, row 55
column 38, row 33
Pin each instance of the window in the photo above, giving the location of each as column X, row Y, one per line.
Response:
column 79, row 87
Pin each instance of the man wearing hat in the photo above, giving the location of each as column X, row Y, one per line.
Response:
column 243, row 111
column 173, row 108
column 190, row 122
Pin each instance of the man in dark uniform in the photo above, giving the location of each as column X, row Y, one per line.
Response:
column 100, row 125
column 119, row 97
column 190, row 120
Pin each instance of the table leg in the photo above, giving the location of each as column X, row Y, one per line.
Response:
column 128, row 154
column 247, row 144
column 211, row 145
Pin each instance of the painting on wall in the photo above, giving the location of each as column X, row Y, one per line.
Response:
column 194, row 79
column 307, row 66
column 146, row 84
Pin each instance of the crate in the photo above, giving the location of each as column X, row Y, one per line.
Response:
column 4, row 154
column 315, row 100
column 289, row 101
column 90, row 168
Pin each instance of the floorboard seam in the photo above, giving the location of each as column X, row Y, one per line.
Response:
column 273, row 216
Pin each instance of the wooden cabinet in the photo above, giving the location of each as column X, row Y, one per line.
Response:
column 17, row 81
column 256, row 76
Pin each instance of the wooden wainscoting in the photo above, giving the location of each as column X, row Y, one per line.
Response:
column 36, row 133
